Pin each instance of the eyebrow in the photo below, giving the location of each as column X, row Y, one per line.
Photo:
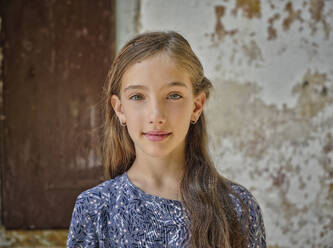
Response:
column 145, row 88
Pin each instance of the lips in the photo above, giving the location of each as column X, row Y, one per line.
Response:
column 156, row 135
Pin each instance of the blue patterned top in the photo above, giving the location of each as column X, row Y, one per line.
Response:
column 117, row 213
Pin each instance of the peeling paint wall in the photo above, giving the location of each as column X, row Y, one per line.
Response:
column 271, row 66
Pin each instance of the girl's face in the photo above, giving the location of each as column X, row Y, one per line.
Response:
column 157, row 105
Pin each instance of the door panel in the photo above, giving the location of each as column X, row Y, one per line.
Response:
column 56, row 57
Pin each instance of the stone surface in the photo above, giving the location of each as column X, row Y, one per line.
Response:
column 32, row 239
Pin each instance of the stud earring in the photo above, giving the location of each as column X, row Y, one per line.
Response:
column 193, row 122
column 123, row 123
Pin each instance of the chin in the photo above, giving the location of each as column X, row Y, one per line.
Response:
column 157, row 153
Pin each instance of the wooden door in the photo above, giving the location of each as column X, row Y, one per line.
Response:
column 56, row 57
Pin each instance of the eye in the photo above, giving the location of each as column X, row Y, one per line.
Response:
column 175, row 96
column 136, row 97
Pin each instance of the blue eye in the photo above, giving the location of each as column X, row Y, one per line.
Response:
column 175, row 98
column 138, row 97
column 135, row 97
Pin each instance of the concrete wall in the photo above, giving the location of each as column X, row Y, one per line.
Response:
column 271, row 113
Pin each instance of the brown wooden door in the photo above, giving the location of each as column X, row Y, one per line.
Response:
column 56, row 57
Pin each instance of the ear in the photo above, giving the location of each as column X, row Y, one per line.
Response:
column 118, row 108
column 199, row 102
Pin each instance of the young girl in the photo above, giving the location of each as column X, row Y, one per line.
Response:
column 164, row 190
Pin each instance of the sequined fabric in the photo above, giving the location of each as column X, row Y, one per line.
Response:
column 116, row 213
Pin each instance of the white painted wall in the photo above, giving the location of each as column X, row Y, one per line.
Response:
column 271, row 114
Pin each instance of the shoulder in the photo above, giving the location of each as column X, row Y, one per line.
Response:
column 240, row 192
column 98, row 197
column 89, row 208
column 256, row 228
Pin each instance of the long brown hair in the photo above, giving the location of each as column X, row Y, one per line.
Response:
column 204, row 193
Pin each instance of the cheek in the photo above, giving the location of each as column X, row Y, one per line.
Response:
column 134, row 118
column 131, row 111
column 181, row 111
column 134, row 125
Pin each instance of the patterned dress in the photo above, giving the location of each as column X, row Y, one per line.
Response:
column 117, row 213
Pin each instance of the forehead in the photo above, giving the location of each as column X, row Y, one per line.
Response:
column 158, row 71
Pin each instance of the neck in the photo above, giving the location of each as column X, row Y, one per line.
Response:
column 158, row 169
column 158, row 175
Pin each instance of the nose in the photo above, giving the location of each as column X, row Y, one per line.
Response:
column 157, row 112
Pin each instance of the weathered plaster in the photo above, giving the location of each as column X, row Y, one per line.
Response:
column 250, row 8
column 127, row 20
column 292, row 16
column 283, row 156
column 270, row 117
column 316, row 10
column 218, row 36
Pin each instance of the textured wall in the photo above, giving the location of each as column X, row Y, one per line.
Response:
column 271, row 113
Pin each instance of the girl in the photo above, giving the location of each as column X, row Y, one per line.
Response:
column 164, row 190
